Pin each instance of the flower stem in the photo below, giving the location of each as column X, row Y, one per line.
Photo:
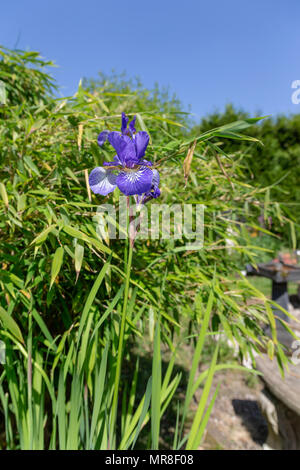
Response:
column 120, row 347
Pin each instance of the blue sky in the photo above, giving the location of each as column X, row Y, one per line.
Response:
column 208, row 52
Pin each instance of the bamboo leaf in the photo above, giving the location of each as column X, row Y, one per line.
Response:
column 56, row 264
column 43, row 235
column 79, row 252
column 4, row 194
column 31, row 165
column 10, row 324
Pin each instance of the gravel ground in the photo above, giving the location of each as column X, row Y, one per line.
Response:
column 236, row 421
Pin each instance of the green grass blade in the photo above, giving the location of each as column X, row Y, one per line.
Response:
column 92, row 295
column 99, row 390
column 144, row 411
column 197, row 355
column 156, row 389
column 193, row 437
column 61, row 411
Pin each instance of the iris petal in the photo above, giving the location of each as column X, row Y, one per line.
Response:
column 141, row 140
column 154, row 191
column 102, row 137
column 102, row 181
column 155, row 180
column 124, row 124
column 124, row 147
column 132, row 126
column 145, row 163
column 135, row 182
column 116, row 161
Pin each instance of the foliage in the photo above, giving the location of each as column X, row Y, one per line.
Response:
column 62, row 286
column 274, row 164
column 25, row 78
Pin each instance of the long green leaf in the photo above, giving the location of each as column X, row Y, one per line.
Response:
column 156, row 389
column 193, row 439
column 10, row 324
column 56, row 264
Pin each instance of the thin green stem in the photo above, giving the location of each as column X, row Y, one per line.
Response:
column 29, row 384
column 120, row 347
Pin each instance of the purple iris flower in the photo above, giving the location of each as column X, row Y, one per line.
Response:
column 128, row 171
column 103, row 136
column 154, row 191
